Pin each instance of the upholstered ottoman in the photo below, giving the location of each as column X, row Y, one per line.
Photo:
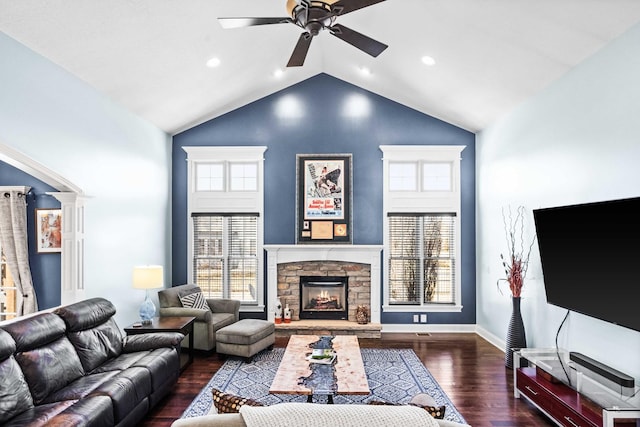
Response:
column 245, row 337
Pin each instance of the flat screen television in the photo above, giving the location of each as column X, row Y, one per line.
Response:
column 590, row 256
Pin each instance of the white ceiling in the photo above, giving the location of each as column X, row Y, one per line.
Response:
column 149, row 55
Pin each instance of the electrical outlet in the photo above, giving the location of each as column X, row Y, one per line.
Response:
column 415, row 318
column 423, row 318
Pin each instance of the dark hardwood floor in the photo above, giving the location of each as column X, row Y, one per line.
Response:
column 469, row 369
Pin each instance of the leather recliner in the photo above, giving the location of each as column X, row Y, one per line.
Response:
column 74, row 367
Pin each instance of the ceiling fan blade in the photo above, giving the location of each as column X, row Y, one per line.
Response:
column 346, row 6
column 249, row 22
column 300, row 51
column 354, row 38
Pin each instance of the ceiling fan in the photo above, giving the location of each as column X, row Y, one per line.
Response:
column 314, row 16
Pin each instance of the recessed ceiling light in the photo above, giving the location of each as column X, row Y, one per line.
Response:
column 427, row 60
column 278, row 73
column 365, row 71
column 213, row 62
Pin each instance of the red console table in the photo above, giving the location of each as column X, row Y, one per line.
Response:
column 548, row 390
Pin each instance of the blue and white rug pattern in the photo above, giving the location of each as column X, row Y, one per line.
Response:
column 395, row 375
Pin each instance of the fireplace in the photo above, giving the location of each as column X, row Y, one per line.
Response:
column 285, row 264
column 324, row 297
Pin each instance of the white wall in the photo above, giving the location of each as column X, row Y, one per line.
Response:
column 119, row 160
column 578, row 141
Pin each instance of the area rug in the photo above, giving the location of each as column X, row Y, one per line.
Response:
column 394, row 375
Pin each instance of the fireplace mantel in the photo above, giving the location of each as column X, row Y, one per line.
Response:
column 365, row 254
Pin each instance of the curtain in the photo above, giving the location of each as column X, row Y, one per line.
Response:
column 13, row 235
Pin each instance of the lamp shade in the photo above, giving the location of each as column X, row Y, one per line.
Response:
column 148, row 277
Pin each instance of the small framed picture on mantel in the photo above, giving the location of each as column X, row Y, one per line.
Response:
column 323, row 199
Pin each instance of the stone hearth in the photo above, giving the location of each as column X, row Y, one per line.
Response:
column 329, row 327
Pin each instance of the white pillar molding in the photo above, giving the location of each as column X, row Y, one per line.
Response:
column 72, row 250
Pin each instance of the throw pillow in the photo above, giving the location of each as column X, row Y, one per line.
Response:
column 229, row 403
column 194, row 299
column 435, row 411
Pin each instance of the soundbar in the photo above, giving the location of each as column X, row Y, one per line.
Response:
column 613, row 375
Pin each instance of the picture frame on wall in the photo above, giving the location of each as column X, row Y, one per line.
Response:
column 324, row 198
column 48, row 230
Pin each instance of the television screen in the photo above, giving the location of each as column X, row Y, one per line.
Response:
column 590, row 257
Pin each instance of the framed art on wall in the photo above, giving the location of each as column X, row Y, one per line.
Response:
column 323, row 199
column 49, row 230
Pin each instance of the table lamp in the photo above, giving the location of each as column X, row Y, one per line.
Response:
column 147, row 277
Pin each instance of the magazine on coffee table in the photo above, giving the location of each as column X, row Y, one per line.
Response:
column 324, row 356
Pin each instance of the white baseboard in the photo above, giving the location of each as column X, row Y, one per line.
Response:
column 491, row 338
column 409, row 328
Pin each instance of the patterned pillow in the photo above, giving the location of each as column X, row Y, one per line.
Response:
column 435, row 411
column 194, row 299
column 228, row 403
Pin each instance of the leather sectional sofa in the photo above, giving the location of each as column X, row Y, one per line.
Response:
column 75, row 367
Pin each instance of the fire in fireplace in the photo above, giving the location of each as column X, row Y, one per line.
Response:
column 324, row 297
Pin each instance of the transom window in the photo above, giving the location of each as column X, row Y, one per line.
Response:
column 214, row 176
column 244, row 176
column 209, row 177
column 403, row 176
column 436, row 176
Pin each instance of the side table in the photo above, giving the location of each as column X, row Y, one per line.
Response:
column 184, row 325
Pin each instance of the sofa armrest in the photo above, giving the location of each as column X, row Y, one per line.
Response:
column 201, row 315
column 151, row 341
column 224, row 305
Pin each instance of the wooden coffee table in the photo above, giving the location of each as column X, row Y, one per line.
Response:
column 345, row 376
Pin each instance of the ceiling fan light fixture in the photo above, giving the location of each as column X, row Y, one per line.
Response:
column 313, row 16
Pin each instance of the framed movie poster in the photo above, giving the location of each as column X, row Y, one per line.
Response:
column 48, row 230
column 323, row 198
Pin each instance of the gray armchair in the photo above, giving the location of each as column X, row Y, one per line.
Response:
column 223, row 312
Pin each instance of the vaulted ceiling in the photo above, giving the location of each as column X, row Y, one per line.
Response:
column 150, row 55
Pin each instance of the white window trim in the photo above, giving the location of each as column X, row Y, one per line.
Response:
column 227, row 201
column 422, row 202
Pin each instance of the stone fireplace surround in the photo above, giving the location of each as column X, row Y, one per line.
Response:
column 357, row 261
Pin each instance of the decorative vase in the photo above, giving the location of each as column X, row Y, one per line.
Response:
column 516, row 337
column 287, row 314
column 278, row 312
column 362, row 314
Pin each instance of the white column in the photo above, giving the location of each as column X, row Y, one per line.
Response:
column 72, row 253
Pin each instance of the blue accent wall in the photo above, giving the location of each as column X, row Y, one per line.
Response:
column 45, row 268
column 326, row 115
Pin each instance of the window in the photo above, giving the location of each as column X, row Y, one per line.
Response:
column 436, row 176
column 7, row 290
column 421, row 259
column 226, row 205
column 422, row 228
column 244, row 176
column 403, row 176
column 225, row 261
column 209, row 177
